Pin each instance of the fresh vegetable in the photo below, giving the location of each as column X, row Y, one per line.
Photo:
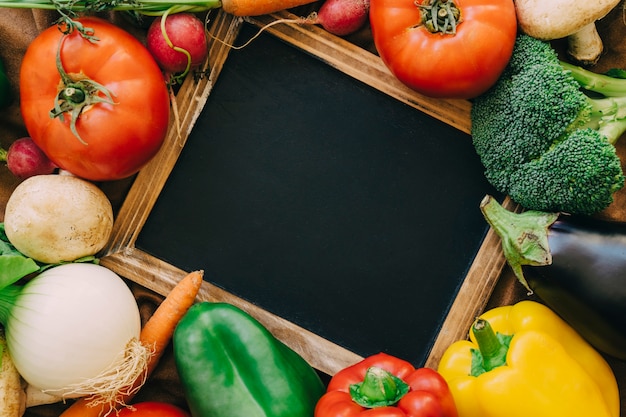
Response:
column 6, row 95
column 177, row 42
column 13, row 264
column 382, row 385
column 158, row 7
column 25, row 159
column 444, row 48
column 84, row 101
column 155, row 334
column 542, row 140
column 342, row 17
column 35, row 397
column 523, row 360
column 574, row 264
column 12, row 395
column 232, row 366
column 58, row 218
column 73, row 330
column 545, row 20
column 152, row 409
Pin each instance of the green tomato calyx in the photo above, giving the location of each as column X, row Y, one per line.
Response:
column 440, row 16
column 77, row 92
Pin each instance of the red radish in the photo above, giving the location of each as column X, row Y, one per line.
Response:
column 25, row 159
column 185, row 32
column 343, row 17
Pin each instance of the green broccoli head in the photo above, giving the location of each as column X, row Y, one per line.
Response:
column 530, row 132
column 580, row 172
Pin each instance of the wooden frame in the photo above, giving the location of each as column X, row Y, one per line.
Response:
column 123, row 257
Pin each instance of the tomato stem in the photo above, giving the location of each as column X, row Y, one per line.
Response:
column 440, row 16
column 77, row 92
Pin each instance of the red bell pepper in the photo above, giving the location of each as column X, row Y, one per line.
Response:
column 385, row 386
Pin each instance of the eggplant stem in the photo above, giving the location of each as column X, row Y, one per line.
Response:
column 524, row 235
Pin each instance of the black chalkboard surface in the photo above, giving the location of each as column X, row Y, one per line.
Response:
column 323, row 201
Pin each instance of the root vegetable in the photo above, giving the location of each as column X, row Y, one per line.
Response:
column 12, row 395
column 159, row 7
column 259, row 7
column 55, row 218
column 342, row 17
column 25, row 159
column 73, row 330
column 156, row 333
column 177, row 42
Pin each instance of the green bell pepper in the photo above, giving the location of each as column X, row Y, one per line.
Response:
column 232, row 366
column 6, row 97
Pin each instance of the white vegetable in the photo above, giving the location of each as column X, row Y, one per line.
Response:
column 73, row 330
column 36, row 397
column 54, row 218
column 574, row 20
column 12, row 396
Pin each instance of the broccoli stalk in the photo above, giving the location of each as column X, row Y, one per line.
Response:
column 545, row 132
column 606, row 114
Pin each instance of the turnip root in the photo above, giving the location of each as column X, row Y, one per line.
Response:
column 177, row 42
column 12, row 395
column 54, row 218
column 25, row 159
column 342, row 17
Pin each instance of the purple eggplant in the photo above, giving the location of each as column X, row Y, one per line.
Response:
column 576, row 265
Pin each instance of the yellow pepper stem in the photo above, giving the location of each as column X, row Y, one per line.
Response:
column 492, row 348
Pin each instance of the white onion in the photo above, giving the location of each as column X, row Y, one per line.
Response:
column 69, row 324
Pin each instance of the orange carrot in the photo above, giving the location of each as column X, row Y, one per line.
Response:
column 259, row 7
column 155, row 334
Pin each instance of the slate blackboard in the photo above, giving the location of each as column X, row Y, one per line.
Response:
column 323, row 201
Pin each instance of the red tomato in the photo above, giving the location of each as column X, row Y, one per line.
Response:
column 114, row 140
column 462, row 64
column 152, row 409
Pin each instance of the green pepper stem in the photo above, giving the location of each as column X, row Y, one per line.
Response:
column 492, row 350
column 379, row 388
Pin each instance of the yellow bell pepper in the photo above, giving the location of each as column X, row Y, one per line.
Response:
column 523, row 360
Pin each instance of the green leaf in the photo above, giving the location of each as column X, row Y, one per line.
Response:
column 14, row 267
column 616, row 73
column 13, row 264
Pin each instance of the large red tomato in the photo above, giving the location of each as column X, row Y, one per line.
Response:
column 152, row 409
column 460, row 56
column 113, row 138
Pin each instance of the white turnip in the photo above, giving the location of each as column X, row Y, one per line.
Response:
column 55, row 218
column 342, row 17
column 177, row 42
column 25, row 159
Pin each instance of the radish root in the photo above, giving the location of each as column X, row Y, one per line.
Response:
column 308, row 20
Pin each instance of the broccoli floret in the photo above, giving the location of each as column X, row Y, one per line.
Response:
column 545, row 132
